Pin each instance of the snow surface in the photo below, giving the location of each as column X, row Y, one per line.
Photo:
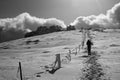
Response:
column 39, row 51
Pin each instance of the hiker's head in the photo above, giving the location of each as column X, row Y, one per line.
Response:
column 89, row 39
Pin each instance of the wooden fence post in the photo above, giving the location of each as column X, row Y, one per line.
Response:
column 20, row 70
column 58, row 60
column 69, row 55
column 76, row 51
column 69, row 51
column 79, row 47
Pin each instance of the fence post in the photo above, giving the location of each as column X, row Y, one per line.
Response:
column 79, row 47
column 76, row 51
column 20, row 70
column 58, row 60
column 69, row 51
column 69, row 57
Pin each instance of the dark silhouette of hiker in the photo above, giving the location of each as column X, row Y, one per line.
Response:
column 89, row 44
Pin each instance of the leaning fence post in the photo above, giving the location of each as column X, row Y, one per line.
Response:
column 57, row 61
column 20, row 70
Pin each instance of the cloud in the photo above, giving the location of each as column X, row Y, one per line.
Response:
column 109, row 20
column 15, row 28
column 54, row 21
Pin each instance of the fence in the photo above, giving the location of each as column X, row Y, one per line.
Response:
column 58, row 62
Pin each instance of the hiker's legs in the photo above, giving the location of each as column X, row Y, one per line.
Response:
column 89, row 50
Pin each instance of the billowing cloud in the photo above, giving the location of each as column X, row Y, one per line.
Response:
column 109, row 20
column 15, row 28
column 54, row 21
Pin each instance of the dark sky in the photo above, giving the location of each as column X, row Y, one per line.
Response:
column 66, row 10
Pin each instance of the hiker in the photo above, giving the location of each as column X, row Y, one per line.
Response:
column 89, row 43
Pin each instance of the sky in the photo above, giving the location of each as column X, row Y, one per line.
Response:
column 18, row 17
column 66, row 10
